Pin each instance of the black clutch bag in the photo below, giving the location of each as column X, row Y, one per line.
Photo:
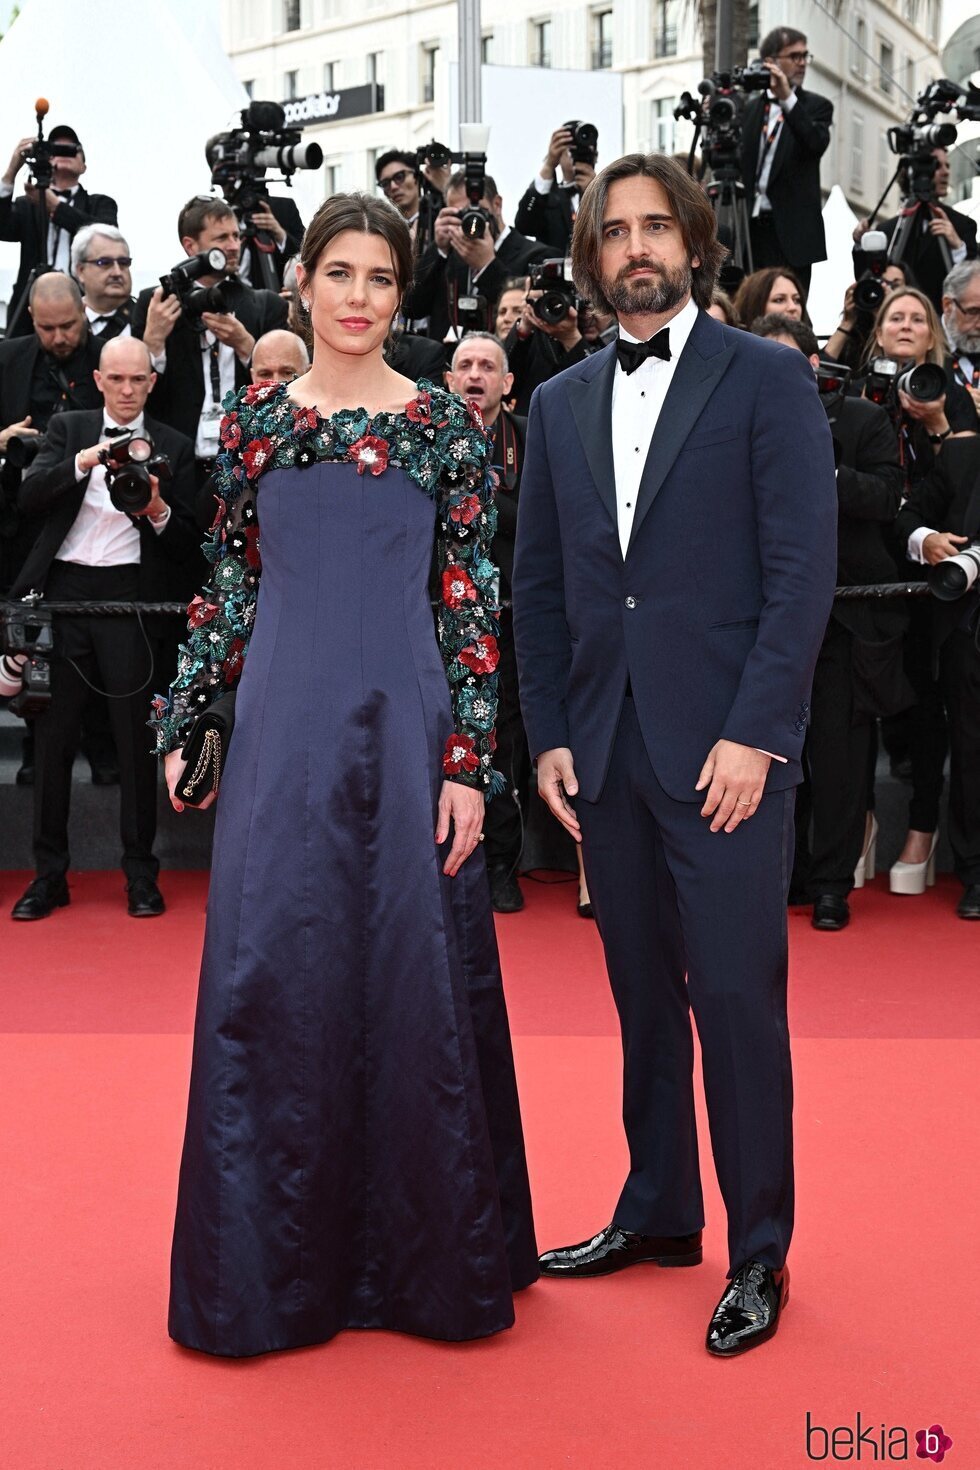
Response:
column 206, row 750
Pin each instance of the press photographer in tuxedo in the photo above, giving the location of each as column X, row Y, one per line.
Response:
column 100, row 263
column 548, row 207
column 198, row 361
column 69, row 209
column 785, row 132
column 87, row 550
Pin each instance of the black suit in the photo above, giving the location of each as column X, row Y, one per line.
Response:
column 924, row 255
column 794, row 233
column 549, row 217
column 535, row 359
column 286, row 214
column 948, row 499
column 114, row 654
column 119, row 320
column 178, row 396
column 19, row 221
column 440, row 279
column 859, row 670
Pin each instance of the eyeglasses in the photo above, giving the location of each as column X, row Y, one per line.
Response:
column 104, row 261
column 394, row 181
column 972, row 313
column 799, row 58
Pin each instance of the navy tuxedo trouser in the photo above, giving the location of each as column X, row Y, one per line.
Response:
column 672, row 897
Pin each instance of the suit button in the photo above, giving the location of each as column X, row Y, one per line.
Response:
column 631, row 602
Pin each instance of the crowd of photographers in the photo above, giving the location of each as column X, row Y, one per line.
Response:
column 110, row 407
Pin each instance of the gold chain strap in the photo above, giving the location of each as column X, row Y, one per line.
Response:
column 210, row 754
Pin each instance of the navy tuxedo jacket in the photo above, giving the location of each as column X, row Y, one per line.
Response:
column 717, row 612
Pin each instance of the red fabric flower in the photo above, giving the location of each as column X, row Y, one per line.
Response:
column 482, row 656
column 231, row 431
column 473, row 409
column 257, row 456
column 252, row 546
column 257, row 392
column 459, row 755
column 219, row 513
column 465, row 510
column 419, row 411
column 305, row 420
column 369, row 453
column 457, row 588
column 232, row 665
column 200, row 612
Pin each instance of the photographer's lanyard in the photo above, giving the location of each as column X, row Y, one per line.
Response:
column 208, row 429
column 505, row 437
column 966, row 372
column 767, row 146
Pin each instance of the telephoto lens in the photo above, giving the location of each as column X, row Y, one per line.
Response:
column 925, row 383
column 953, row 578
column 126, row 474
column 869, row 293
column 21, row 449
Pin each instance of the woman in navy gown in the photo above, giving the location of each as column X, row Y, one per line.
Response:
column 353, row 1154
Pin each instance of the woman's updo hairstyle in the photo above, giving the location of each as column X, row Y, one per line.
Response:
column 367, row 216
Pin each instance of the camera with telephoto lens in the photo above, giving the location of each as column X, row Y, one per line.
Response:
column 22, row 449
column 553, row 278
column 182, row 282
column 27, row 642
column 879, row 383
column 719, row 112
column 129, row 462
column 240, row 158
column 41, row 154
column 870, row 291
column 584, row 146
column 915, row 139
column 475, row 219
column 954, row 577
column 924, row 382
column 831, row 378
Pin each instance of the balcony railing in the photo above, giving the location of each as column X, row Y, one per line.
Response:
column 665, row 42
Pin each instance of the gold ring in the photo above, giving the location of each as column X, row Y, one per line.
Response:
column 743, row 803
column 480, row 838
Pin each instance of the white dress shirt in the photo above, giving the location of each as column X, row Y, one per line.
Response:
column 101, row 535
column 637, row 399
column 97, row 323
column 59, row 240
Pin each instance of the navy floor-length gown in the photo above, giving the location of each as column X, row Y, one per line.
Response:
column 353, row 1154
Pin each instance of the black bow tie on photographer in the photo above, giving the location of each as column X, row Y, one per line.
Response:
column 112, row 433
column 631, row 354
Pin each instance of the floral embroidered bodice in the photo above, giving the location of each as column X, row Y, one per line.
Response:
column 440, row 442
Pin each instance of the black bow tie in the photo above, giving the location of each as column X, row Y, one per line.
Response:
column 110, row 432
column 62, row 193
column 631, row 354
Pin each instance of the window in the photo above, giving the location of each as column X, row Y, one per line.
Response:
column 486, row 48
column 329, row 81
column 857, row 154
column 331, row 179
column 663, row 126
column 665, row 28
column 859, row 46
column 886, row 67
column 541, row 43
column 374, row 66
column 909, row 74
column 602, row 24
column 753, row 27
column 290, row 85
column 291, row 19
column 429, row 54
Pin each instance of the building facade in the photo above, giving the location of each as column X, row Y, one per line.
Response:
column 871, row 58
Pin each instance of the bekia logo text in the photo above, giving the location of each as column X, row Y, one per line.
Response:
column 872, row 1442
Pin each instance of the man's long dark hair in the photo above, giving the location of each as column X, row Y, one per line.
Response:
column 689, row 204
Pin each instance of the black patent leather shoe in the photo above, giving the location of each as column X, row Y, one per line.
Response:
column 748, row 1313
column 969, row 905
column 830, row 911
column 614, row 1249
column 145, row 899
column 42, row 897
column 505, row 891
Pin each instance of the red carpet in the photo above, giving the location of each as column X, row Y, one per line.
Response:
column 95, row 1014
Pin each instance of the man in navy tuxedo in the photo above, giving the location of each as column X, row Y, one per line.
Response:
column 674, row 573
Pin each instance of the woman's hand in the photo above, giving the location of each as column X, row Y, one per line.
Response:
column 932, row 416
column 465, row 807
column 174, row 766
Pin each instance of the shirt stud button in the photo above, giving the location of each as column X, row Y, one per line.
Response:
column 631, row 602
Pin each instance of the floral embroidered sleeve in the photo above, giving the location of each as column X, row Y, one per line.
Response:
column 220, row 619
column 468, row 629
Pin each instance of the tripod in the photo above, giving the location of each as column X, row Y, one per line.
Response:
column 727, row 195
column 41, row 209
column 916, row 206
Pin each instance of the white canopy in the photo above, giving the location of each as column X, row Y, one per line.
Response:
column 144, row 84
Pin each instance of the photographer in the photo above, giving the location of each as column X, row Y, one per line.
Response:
column 848, row 342
column 399, row 177
column 51, row 370
column 90, row 551
column 480, row 371
column 786, row 131
column 199, row 359
column 69, row 209
column 537, row 349
column 510, row 304
column 457, row 264
column 100, row 263
column 276, row 218
column 859, row 670
column 961, row 320
column 936, row 222
column 547, row 209
column 948, row 497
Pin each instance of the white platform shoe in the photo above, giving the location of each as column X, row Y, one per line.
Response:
column 865, row 870
column 911, row 878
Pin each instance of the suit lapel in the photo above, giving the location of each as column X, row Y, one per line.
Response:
column 705, row 357
column 590, row 397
